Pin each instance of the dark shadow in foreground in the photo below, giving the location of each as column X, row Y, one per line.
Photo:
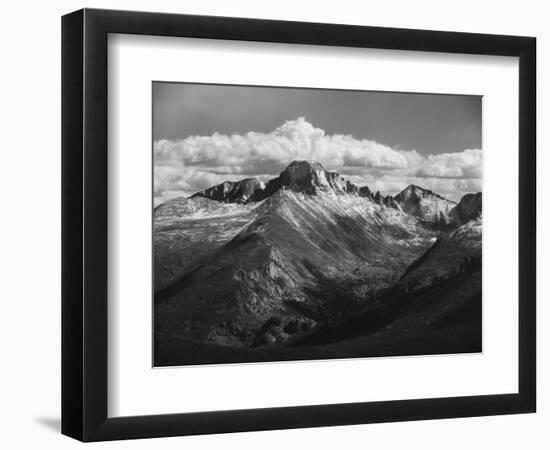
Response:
column 52, row 423
column 397, row 324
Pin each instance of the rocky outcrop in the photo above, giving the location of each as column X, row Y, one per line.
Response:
column 364, row 191
column 381, row 200
column 243, row 191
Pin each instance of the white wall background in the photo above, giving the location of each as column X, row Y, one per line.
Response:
column 30, row 225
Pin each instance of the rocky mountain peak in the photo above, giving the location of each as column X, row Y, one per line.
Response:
column 302, row 173
column 304, row 165
column 310, row 176
column 424, row 204
column 414, row 192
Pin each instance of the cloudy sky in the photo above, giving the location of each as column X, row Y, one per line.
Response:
column 206, row 134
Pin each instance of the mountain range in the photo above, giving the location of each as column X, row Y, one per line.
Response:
column 309, row 265
column 310, row 177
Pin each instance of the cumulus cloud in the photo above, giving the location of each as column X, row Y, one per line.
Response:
column 466, row 164
column 197, row 162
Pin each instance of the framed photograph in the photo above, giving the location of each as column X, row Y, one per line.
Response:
column 274, row 225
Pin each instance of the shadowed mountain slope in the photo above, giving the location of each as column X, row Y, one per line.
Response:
column 467, row 209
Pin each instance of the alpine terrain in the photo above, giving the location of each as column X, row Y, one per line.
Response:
column 308, row 265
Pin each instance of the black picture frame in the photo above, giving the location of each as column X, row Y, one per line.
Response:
column 84, row 224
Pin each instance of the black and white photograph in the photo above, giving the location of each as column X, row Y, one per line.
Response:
column 299, row 224
column 274, row 225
